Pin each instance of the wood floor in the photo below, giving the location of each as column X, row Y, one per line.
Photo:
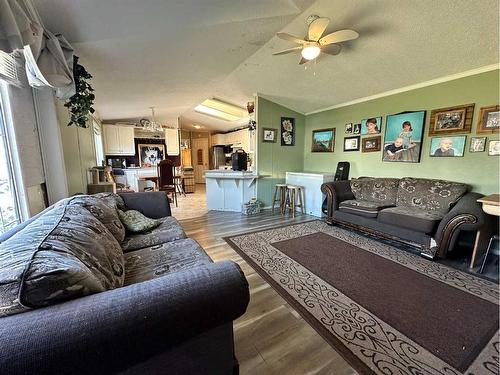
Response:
column 270, row 338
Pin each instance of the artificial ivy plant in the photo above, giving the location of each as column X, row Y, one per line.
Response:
column 80, row 104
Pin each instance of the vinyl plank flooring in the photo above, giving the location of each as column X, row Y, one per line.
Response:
column 271, row 338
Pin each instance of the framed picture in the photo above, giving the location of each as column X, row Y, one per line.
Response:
column 351, row 143
column 372, row 125
column 348, row 128
column 150, row 155
column 403, row 137
column 448, row 146
column 356, row 129
column 371, row 144
column 287, row 131
column 451, row 120
column 477, row 144
column 269, row 135
column 494, row 148
column 489, row 120
column 323, row 140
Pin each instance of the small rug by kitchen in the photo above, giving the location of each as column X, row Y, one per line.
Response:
column 386, row 311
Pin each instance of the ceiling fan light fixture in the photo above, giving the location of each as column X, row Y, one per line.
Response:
column 310, row 52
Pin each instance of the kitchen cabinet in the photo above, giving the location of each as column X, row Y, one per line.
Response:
column 218, row 140
column 118, row 140
column 172, row 141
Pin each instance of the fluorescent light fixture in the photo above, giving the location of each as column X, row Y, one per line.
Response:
column 310, row 52
column 220, row 109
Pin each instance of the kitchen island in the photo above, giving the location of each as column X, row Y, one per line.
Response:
column 227, row 190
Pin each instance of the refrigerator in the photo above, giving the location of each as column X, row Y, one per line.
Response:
column 218, row 157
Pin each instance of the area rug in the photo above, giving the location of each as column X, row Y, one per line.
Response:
column 386, row 311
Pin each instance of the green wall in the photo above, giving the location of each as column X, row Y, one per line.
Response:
column 477, row 169
column 275, row 160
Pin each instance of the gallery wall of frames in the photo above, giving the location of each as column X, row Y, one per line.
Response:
column 448, row 130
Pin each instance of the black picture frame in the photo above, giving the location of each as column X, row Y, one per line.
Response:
column 358, row 140
column 287, row 134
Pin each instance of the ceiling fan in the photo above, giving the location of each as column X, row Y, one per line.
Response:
column 314, row 43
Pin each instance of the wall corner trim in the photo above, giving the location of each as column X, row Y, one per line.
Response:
column 431, row 82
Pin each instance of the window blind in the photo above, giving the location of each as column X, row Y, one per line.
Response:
column 8, row 68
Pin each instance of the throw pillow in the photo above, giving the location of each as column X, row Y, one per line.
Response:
column 136, row 222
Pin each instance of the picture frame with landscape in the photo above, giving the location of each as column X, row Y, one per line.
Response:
column 489, row 120
column 323, row 140
column 451, row 120
column 372, row 125
column 351, row 143
column 269, row 135
column 449, row 146
column 371, row 144
column 287, row 131
column 403, row 137
column 477, row 144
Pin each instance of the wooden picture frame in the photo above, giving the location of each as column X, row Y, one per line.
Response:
column 486, row 115
column 451, row 120
column 269, row 135
column 351, row 143
column 323, row 140
column 371, row 144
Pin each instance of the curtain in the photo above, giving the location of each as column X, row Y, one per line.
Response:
column 17, row 29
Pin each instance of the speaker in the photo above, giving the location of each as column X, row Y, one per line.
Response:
column 239, row 160
column 342, row 172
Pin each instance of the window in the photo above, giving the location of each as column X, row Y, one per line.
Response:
column 99, row 151
column 9, row 204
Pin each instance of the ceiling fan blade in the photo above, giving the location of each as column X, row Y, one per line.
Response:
column 289, row 50
column 290, row 38
column 303, row 61
column 317, row 28
column 338, row 37
column 331, row 49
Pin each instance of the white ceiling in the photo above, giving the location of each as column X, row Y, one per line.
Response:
column 174, row 54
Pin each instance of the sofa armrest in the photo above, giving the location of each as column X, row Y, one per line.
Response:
column 467, row 214
column 110, row 331
column 153, row 204
column 336, row 192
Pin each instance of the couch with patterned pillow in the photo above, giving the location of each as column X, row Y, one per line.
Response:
column 81, row 295
column 424, row 213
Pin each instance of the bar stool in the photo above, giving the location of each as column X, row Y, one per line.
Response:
column 281, row 190
column 292, row 193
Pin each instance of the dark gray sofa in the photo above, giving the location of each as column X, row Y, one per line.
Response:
column 423, row 213
column 172, row 315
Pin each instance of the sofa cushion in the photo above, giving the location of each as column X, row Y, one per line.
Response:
column 64, row 254
column 169, row 230
column 430, row 195
column 381, row 190
column 136, row 222
column 361, row 207
column 103, row 211
column 156, row 261
column 425, row 221
column 111, row 199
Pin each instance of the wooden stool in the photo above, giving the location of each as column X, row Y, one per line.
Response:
column 281, row 190
column 291, row 199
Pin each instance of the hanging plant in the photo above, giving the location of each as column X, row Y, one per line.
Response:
column 80, row 104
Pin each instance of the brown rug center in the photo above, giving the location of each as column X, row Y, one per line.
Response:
column 452, row 324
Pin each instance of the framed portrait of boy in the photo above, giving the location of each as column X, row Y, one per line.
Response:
column 477, row 144
column 323, row 140
column 287, row 131
column 489, row 120
column 403, row 137
column 447, row 146
column 351, row 143
column 269, row 135
column 371, row 144
column 451, row 120
column 372, row 125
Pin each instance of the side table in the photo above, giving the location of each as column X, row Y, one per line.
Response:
column 491, row 205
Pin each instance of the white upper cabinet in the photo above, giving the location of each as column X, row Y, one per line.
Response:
column 172, row 141
column 118, row 140
column 219, row 139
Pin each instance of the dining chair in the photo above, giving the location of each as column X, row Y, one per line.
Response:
column 166, row 181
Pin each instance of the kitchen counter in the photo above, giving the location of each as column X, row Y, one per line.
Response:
column 227, row 190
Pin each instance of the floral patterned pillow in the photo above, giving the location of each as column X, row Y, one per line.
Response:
column 136, row 222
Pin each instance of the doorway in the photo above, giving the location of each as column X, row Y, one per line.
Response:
column 200, row 159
